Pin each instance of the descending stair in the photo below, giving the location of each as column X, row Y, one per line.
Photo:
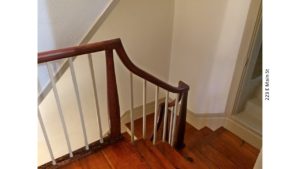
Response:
column 206, row 148
column 123, row 155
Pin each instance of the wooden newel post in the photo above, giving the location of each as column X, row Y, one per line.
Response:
column 179, row 143
column 112, row 96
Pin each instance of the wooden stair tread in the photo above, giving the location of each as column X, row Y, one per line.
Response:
column 92, row 161
column 177, row 160
column 152, row 156
column 198, row 159
column 237, row 151
column 213, row 155
column 237, row 142
column 203, row 148
column 194, row 136
column 122, row 155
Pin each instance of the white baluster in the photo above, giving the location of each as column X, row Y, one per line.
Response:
column 96, row 96
column 171, row 124
column 165, row 117
column 144, row 108
column 131, row 108
column 50, row 71
column 78, row 102
column 155, row 114
column 174, row 120
column 46, row 137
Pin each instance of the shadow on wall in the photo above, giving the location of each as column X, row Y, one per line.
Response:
column 197, row 29
column 64, row 23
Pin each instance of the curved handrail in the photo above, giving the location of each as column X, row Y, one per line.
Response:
column 114, row 44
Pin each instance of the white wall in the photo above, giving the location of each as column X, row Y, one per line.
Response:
column 206, row 40
column 64, row 23
column 144, row 28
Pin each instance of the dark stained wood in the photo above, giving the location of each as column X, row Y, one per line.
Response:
column 81, row 152
column 141, row 73
column 179, row 137
column 234, row 148
column 242, row 160
column 234, row 141
column 77, row 50
column 197, row 159
column 122, row 155
column 113, row 103
column 177, row 160
column 203, row 148
column 112, row 96
column 213, row 149
column 216, row 157
column 138, row 127
column 93, row 161
column 154, row 158
column 165, row 162
column 74, row 165
column 114, row 44
column 193, row 137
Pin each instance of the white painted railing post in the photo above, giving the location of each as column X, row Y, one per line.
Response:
column 144, row 108
column 131, row 109
column 174, row 120
column 155, row 115
column 46, row 137
column 59, row 108
column 78, row 102
column 171, row 124
column 165, row 117
column 96, row 96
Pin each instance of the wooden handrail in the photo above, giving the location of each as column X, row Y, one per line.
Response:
column 114, row 44
column 112, row 94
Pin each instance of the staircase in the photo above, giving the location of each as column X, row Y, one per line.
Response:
column 205, row 148
column 170, row 144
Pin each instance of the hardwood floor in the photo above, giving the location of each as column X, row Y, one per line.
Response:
column 205, row 149
column 210, row 149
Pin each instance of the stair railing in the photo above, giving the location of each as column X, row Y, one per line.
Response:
column 177, row 126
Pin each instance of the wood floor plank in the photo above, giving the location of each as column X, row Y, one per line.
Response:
column 95, row 161
column 194, row 136
column 235, row 155
column 235, row 141
column 198, row 159
column 72, row 165
column 152, row 156
column 216, row 157
column 122, row 155
column 177, row 160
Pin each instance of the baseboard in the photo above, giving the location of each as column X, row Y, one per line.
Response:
column 246, row 134
column 212, row 121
